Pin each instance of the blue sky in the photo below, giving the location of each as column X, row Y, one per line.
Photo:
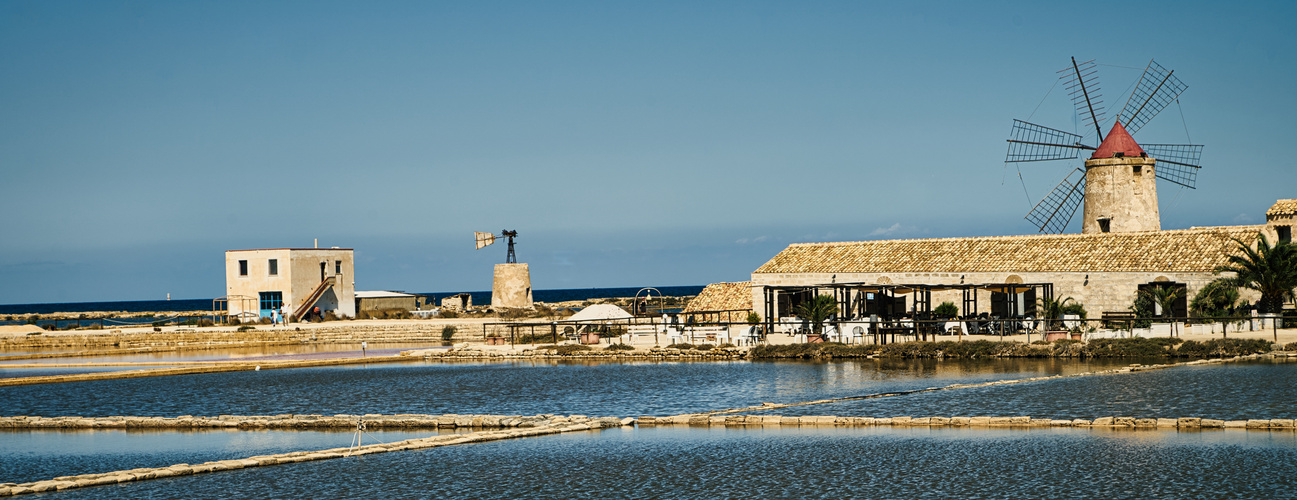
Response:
column 629, row 143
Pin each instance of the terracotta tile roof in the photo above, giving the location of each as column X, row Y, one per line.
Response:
column 722, row 297
column 1184, row 250
column 1282, row 207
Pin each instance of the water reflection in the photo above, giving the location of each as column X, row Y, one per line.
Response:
column 242, row 353
column 1229, row 391
column 606, row 388
column 785, row 463
column 41, row 454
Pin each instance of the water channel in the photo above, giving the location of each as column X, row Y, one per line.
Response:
column 683, row 461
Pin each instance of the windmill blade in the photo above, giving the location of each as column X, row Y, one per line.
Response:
column 1177, row 163
column 1031, row 142
column 1157, row 88
column 483, row 239
column 1053, row 213
column 1083, row 88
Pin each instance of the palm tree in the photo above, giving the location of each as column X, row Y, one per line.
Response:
column 1051, row 311
column 1165, row 297
column 1216, row 299
column 816, row 310
column 1270, row 269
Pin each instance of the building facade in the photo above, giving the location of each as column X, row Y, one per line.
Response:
column 258, row 282
column 1105, row 271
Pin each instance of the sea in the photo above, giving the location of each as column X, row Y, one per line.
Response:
column 479, row 298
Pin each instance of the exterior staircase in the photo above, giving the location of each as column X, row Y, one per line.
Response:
column 313, row 298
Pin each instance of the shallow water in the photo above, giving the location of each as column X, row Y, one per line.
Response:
column 1228, row 391
column 599, row 388
column 689, row 462
column 682, row 462
column 33, row 455
column 245, row 353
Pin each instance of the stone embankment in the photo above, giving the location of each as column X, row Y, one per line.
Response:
column 226, row 336
column 599, row 352
column 547, row 425
column 1017, row 421
column 299, row 422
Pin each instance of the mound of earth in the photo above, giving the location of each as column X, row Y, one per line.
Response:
column 19, row 329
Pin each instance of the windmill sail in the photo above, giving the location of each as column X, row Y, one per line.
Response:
column 1083, row 88
column 1031, row 142
column 1053, row 213
column 483, row 239
column 1176, row 163
column 1158, row 87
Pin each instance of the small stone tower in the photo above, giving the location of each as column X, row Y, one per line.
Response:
column 1120, row 187
column 511, row 287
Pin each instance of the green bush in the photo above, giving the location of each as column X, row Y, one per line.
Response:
column 619, row 347
column 1074, row 308
column 946, row 310
column 704, row 347
column 726, row 345
column 247, row 328
column 447, row 333
column 1143, row 308
column 1216, row 348
column 448, row 314
column 754, row 318
column 570, row 349
column 539, row 338
column 1129, row 348
column 681, row 346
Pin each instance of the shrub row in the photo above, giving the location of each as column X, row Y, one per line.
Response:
column 1100, row 348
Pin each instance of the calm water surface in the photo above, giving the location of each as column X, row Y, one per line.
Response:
column 683, row 462
column 1228, row 391
column 37, row 455
column 599, row 388
column 783, row 463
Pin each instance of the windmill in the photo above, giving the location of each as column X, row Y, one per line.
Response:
column 486, row 239
column 1119, row 196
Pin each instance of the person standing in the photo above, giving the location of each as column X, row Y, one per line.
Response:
column 283, row 312
column 274, row 317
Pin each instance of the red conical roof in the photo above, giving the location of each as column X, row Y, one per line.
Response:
column 1118, row 141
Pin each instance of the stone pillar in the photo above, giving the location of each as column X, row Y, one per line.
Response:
column 1120, row 193
column 512, row 287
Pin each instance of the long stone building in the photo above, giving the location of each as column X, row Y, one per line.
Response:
column 1102, row 270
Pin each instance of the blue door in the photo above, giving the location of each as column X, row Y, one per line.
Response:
column 270, row 301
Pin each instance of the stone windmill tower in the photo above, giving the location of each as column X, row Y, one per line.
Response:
column 511, row 285
column 1117, row 186
column 1120, row 187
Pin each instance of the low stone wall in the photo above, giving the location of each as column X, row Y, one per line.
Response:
column 547, row 425
column 225, row 336
column 1016, row 421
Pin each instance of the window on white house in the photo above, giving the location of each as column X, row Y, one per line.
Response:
column 243, row 268
column 274, row 267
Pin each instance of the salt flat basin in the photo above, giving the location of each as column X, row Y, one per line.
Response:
column 874, row 462
column 523, row 387
column 239, row 353
column 34, row 455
